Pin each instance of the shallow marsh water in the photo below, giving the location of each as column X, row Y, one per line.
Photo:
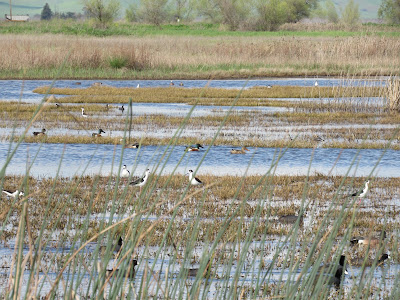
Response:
column 104, row 160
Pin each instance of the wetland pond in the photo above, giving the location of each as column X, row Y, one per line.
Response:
column 44, row 160
column 104, row 159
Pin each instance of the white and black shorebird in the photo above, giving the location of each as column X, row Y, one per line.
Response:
column 361, row 194
column 122, row 108
column 125, row 172
column 141, row 181
column 37, row 133
column 15, row 194
column 83, row 113
column 193, row 180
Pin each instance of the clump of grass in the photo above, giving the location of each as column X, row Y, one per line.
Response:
column 392, row 93
column 117, row 62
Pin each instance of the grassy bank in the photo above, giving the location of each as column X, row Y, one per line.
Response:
column 195, row 57
column 87, row 28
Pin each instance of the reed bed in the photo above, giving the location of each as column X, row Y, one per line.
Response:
column 41, row 56
column 175, row 94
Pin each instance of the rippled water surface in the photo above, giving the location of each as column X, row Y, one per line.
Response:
column 103, row 159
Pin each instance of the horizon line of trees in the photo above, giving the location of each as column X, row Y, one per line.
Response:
column 262, row 15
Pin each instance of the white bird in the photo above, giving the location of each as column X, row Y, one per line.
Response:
column 125, row 172
column 15, row 194
column 138, row 85
column 141, row 181
column 363, row 192
column 316, row 83
column 83, row 113
column 193, row 180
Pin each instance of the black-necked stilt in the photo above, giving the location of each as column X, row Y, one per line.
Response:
column 241, row 151
column 371, row 241
column 133, row 145
column 193, row 180
column 171, row 83
column 125, row 172
column 368, row 262
column 329, row 274
column 15, row 194
column 361, row 194
column 100, row 131
column 43, row 132
column 194, row 147
column 83, row 113
column 130, row 272
column 58, row 105
column 181, row 83
column 122, row 108
column 141, row 181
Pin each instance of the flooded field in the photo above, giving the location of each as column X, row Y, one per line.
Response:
column 251, row 226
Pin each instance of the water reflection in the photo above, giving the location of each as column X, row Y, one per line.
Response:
column 104, row 159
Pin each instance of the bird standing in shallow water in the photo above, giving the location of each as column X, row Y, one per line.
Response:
column 141, row 181
column 122, row 108
column 193, row 180
column 15, row 194
column 83, row 113
column 361, row 194
column 125, row 172
column 43, row 132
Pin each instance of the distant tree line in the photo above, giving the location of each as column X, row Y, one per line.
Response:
column 262, row 15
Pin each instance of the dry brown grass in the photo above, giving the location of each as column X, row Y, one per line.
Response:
column 255, row 56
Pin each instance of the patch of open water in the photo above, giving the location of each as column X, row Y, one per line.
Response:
column 104, row 159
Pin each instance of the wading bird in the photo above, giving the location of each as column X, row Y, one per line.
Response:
column 193, row 180
column 141, row 181
column 15, row 194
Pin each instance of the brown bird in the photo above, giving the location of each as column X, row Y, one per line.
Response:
column 241, row 151
column 371, row 241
